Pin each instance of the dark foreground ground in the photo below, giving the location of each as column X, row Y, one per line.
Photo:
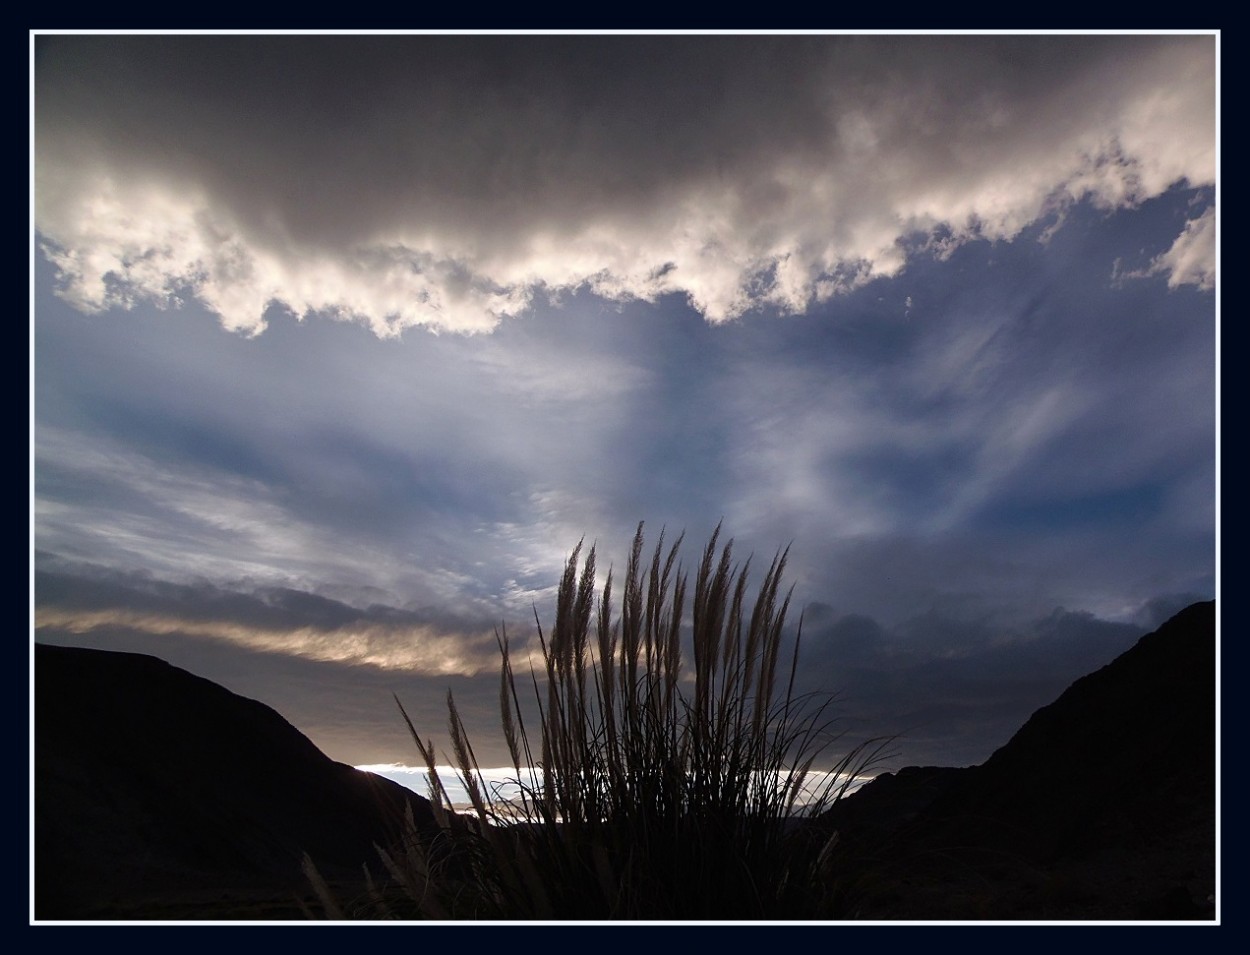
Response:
column 1101, row 807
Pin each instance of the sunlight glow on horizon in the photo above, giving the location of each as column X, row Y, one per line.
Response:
column 502, row 781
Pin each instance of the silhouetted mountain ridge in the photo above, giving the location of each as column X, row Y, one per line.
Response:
column 1101, row 806
column 153, row 783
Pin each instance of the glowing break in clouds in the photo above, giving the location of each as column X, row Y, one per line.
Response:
column 420, row 650
column 441, row 181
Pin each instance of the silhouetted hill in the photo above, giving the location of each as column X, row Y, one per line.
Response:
column 1102, row 806
column 159, row 794
column 162, row 795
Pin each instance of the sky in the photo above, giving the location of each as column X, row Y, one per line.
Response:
column 342, row 343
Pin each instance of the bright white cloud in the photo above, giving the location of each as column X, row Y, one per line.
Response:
column 440, row 183
column 1191, row 259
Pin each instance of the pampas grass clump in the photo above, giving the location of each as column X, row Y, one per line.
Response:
column 645, row 791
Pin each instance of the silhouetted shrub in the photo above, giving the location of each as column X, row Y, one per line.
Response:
column 644, row 794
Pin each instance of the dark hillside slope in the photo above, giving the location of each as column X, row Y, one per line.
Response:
column 1102, row 806
column 161, row 794
column 1124, row 751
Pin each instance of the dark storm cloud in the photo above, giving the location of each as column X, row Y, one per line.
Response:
column 443, row 181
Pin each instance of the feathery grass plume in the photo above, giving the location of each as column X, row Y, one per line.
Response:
column 324, row 895
column 650, row 800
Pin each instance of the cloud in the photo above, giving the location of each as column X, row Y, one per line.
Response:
column 421, row 650
column 1191, row 259
column 444, row 470
column 442, row 182
column 955, row 682
column 82, row 599
column 1017, row 435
